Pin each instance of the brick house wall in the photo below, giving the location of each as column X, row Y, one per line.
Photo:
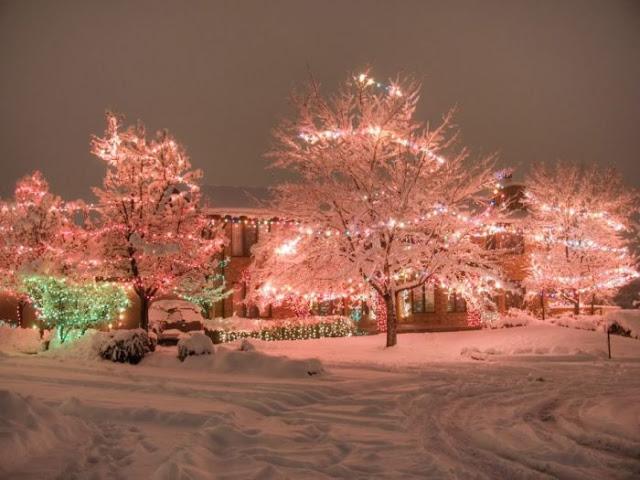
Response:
column 245, row 230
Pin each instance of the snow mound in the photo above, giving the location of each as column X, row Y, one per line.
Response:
column 194, row 343
column 596, row 323
column 29, row 429
column 20, row 340
column 84, row 348
column 231, row 360
column 547, row 352
column 513, row 318
column 258, row 363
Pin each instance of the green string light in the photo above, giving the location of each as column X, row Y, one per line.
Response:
column 69, row 306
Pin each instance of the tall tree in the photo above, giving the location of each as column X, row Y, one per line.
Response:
column 578, row 216
column 152, row 232
column 380, row 201
column 35, row 227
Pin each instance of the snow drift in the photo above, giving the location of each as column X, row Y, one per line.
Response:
column 231, row 360
column 19, row 340
column 29, row 428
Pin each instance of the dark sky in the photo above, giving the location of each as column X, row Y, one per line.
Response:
column 534, row 80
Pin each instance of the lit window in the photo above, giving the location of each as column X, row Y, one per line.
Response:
column 250, row 237
column 429, row 298
column 417, row 299
column 456, row 303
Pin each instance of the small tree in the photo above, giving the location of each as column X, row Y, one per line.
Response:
column 204, row 291
column 35, row 226
column 377, row 204
column 68, row 306
column 151, row 232
column 577, row 219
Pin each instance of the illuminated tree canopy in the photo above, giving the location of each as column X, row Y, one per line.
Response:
column 384, row 201
column 67, row 306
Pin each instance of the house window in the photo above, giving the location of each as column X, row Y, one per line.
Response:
column 514, row 299
column 417, row 299
column 265, row 311
column 456, row 303
column 237, row 244
column 423, row 299
column 252, row 311
column 263, row 229
column 429, row 298
column 513, row 242
column 239, row 293
column 322, row 308
column 250, row 238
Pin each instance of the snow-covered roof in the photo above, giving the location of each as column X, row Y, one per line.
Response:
column 261, row 213
column 249, row 202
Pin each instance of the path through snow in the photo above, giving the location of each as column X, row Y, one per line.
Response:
column 546, row 417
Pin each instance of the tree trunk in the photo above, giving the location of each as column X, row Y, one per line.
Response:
column 392, row 324
column 144, row 310
column 576, row 305
column 542, row 304
column 593, row 304
column 61, row 331
column 20, row 310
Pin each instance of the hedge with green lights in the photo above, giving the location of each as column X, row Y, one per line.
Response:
column 289, row 331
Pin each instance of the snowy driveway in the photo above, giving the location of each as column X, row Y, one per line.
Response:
column 513, row 418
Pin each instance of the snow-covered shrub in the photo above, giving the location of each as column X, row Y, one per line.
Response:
column 195, row 343
column 127, row 346
column 247, row 346
column 580, row 322
column 628, row 321
column 514, row 317
column 20, row 340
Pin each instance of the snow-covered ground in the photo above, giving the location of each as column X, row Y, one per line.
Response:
column 529, row 402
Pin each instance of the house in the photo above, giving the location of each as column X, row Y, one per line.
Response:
column 245, row 220
column 425, row 308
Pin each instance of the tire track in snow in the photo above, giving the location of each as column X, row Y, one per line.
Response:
column 523, row 422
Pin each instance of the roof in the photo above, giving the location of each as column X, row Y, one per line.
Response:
column 221, row 196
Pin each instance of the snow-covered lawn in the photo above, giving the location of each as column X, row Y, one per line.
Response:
column 528, row 402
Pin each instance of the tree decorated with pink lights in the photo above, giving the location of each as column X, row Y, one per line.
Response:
column 36, row 232
column 578, row 217
column 152, row 232
column 382, row 202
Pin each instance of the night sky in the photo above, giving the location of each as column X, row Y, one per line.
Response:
column 536, row 80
